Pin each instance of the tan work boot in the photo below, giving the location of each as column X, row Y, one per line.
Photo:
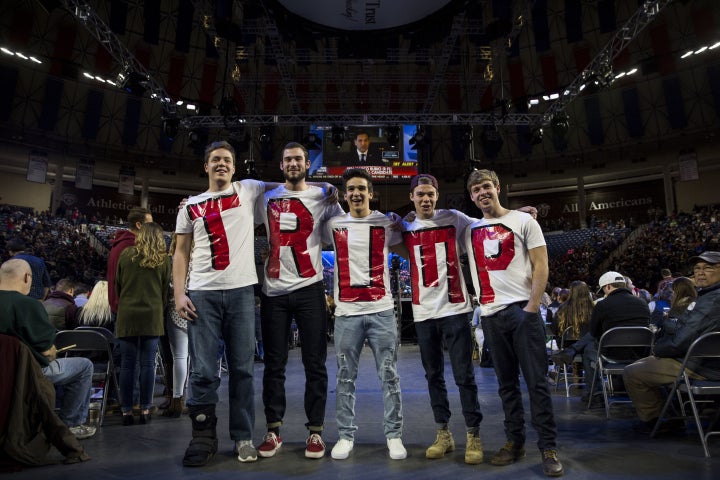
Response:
column 443, row 444
column 473, row 449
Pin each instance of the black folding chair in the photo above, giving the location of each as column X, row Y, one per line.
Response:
column 567, row 339
column 618, row 348
column 90, row 339
column 707, row 346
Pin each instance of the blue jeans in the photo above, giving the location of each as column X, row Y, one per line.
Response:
column 517, row 342
column 229, row 314
column 454, row 332
column 381, row 333
column 74, row 375
column 133, row 349
column 307, row 306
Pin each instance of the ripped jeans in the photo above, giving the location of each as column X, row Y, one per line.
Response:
column 381, row 333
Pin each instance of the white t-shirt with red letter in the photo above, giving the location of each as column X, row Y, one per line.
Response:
column 362, row 277
column 221, row 224
column 438, row 286
column 294, row 222
column 499, row 262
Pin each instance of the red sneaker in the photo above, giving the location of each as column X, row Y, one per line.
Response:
column 270, row 445
column 315, row 447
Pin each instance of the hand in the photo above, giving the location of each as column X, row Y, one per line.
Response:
column 410, row 217
column 185, row 308
column 51, row 353
column 397, row 225
column 529, row 209
column 182, row 204
column 331, row 194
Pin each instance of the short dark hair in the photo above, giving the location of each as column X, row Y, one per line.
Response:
column 16, row 245
column 137, row 214
column 64, row 285
column 357, row 173
column 297, row 145
column 361, row 132
column 219, row 144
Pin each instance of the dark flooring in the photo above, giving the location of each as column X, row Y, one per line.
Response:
column 590, row 446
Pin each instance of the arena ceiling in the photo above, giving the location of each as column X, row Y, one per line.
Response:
column 283, row 65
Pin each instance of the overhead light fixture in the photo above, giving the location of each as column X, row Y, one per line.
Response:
column 132, row 82
column 393, row 136
column 265, row 136
column 536, row 136
column 312, row 141
column 687, row 54
column 337, row 135
column 170, row 127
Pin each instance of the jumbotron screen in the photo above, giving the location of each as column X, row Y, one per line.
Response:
column 389, row 156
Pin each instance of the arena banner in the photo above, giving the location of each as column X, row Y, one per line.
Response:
column 106, row 205
column 632, row 203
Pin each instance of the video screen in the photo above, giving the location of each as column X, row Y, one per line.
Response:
column 386, row 152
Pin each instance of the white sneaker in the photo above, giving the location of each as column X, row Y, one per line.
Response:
column 396, row 449
column 342, row 449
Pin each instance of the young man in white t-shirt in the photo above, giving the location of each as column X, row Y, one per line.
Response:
column 219, row 301
column 364, row 310
column 294, row 215
column 442, row 310
column 509, row 265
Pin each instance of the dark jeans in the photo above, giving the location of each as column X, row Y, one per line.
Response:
column 453, row 331
column 517, row 342
column 307, row 307
column 132, row 350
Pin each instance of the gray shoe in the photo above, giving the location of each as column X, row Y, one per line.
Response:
column 82, row 432
column 245, row 451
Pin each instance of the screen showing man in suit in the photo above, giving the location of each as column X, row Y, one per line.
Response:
column 384, row 151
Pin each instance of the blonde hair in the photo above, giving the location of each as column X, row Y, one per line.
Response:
column 150, row 246
column 96, row 312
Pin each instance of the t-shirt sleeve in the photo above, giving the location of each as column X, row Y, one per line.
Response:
column 534, row 234
column 183, row 224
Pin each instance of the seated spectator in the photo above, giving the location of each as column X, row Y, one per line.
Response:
column 682, row 293
column 60, row 305
column 24, row 318
column 96, row 312
column 620, row 308
column 645, row 379
column 81, row 294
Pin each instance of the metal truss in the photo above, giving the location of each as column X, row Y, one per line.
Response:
column 645, row 14
column 281, row 61
column 97, row 27
column 445, row 55
column 384, row 119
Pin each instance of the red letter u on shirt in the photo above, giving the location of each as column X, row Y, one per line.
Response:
column 373, row 291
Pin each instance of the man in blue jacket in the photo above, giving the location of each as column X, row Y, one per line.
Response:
column 644, row 379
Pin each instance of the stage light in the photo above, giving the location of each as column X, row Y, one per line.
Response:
column 393, row 136
column 312, row 142
column 265, row 136
column 337, row 136
column 171, row 126
column 536, row 136
column 418, row 138
column 132, row 82
column 492, row 141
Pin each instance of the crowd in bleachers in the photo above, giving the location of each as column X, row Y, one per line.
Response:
column 668, row 243
column 55, row 239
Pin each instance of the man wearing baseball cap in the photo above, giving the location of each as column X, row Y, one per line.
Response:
column 620, row 308
column 645, row 379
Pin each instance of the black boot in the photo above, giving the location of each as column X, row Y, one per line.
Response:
column 204, row 443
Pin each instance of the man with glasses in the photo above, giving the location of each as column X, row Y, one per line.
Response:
column 645, row 379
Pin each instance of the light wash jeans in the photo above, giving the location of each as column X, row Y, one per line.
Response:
column 380, row 331
column 74, row 374
column 229, row 314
